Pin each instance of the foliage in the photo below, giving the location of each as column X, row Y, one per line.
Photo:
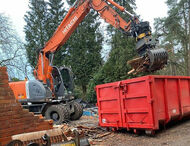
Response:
column 15, row 80
column 83, row 51
column 122, row 50
column 36, row 29
column 56, row 14
column 115, row 69
column 174, row 33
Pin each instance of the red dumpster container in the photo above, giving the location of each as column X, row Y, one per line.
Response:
column 143, row 103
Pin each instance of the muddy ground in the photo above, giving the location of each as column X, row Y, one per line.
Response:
column 176, row 134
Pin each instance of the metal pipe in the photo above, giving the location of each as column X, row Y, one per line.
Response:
column 117, row 5
column 51, row 62
column 121, row 8
column 42, row 63
column 127, row 12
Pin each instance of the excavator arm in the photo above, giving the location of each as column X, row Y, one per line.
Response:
column 149, row 60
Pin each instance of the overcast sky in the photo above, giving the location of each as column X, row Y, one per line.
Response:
column 15, row 9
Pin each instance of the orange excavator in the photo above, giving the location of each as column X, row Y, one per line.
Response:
column 51, row 93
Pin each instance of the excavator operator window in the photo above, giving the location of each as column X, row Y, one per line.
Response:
column 56, row 78
column 67, row 79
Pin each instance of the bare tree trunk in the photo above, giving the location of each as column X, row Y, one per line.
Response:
column 186, row 48
column 173, row 66
column 84, row 91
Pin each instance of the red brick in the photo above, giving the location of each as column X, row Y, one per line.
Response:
column 7, row 101
column 23, row 120
column 3, row 68
column 2, row 85
column 8, row 113
column 13, row 118
column 4, row 76
column 11, row 131
column 5, row 140
column 16, row 116
column 4, row 81
column 5, row 126
column 4, row 109
column 30, row 129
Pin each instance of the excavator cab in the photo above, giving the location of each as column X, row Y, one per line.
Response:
column 68, row 79
column 63, row 81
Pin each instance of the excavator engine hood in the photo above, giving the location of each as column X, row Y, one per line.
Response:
column 29, row 90
column 35, row 90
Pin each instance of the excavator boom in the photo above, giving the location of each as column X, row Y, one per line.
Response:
column 51, row 93
column 149, row 59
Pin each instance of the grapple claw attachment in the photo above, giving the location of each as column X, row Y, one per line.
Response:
column 157, row 59
column 152, row 61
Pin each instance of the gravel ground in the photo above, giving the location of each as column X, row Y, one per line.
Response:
column 174, row 135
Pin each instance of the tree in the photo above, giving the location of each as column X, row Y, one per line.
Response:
column 83, row 51
column 56, row 14
column 36, row 29
column 12, row 51
column 122, row 47
column 122, row 50
column 174, row 33
column 115, row 69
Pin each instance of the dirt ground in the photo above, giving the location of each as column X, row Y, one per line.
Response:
column 177, row 134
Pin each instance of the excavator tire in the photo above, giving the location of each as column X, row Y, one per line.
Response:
column 66, row 112
column 56, row 113
column 78, row 111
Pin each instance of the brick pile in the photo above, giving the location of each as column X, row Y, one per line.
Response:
column 13, row 118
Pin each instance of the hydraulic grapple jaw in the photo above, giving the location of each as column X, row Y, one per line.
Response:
column 151, row 59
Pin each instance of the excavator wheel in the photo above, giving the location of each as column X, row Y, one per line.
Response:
column 66, row 112
column 57, row 113
column 78, row 111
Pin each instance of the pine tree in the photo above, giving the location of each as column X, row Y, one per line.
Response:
column 122, row 50
column 56, row 12
column 84, row 50
column 35, row 29
column 174, row 33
